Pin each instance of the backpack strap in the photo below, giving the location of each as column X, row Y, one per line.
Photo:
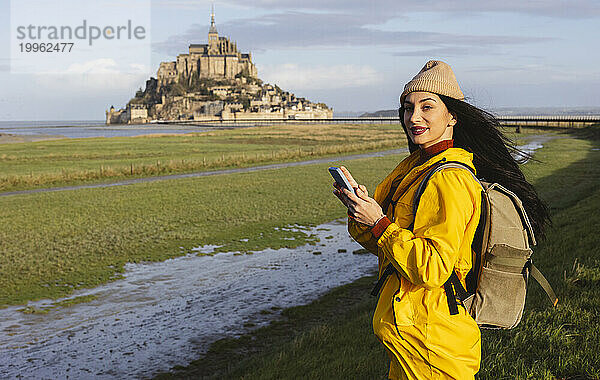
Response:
column 388, row 199
column 389, row 270
column 477, row 246
column 453, row 287
column 539, row 277
column 386, row 273
column 442, row 164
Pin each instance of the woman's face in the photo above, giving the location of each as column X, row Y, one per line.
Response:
column 427, row 119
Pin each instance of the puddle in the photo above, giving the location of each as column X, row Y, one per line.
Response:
column 166, row 314
column 529, row 148
column 535, row 142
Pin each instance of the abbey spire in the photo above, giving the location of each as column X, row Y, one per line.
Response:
column 213, row 27
column 213, row 35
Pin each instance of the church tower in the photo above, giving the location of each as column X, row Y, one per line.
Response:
column 213, row 35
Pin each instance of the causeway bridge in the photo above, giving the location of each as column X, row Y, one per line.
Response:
column 541, row 121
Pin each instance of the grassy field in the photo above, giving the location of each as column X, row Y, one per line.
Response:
column 71, row 161
column 76, row 161
column 61, row 241
column 53, row 243
column 332, row 337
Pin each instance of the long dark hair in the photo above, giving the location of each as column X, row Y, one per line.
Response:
column 495, row 156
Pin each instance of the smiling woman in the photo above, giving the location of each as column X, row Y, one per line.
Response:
column 427, row 119
column 421, row 249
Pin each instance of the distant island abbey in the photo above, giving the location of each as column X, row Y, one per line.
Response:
column 213, row 82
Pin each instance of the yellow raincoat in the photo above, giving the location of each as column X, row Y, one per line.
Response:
column 412, row 319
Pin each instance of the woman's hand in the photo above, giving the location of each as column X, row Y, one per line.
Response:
column 360, row 206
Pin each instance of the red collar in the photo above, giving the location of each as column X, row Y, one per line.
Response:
column 437, row 148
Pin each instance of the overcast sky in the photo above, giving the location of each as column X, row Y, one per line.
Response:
column 354, row 55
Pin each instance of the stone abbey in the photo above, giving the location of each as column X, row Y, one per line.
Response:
column 213, row 82
column 220, row 58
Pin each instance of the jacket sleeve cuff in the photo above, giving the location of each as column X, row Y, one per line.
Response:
column 392, row 234
column 379, row 228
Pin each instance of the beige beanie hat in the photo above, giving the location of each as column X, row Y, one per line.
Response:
column 436, row 77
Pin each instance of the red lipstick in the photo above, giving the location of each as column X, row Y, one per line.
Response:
column 417, row 130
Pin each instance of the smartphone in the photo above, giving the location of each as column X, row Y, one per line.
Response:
column 340, row 178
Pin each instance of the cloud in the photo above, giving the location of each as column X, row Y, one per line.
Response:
column 531, row 74
column 100, row 74
column 394, row 8
column 97, row 66
column 301, row 29
column 451, row 51
column 105, row 66
column 293, row 77
column 385, row 9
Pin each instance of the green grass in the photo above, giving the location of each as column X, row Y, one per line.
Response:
column 332, row 337
column 77, row 161
column 71, row 161
column 57, row 242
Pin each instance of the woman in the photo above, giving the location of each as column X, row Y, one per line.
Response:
column 412, row 317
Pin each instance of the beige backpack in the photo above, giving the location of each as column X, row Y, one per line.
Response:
column 502, row 264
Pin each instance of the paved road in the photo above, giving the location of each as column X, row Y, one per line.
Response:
column 209, row 173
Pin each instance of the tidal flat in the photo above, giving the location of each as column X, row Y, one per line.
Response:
column 61, row 241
